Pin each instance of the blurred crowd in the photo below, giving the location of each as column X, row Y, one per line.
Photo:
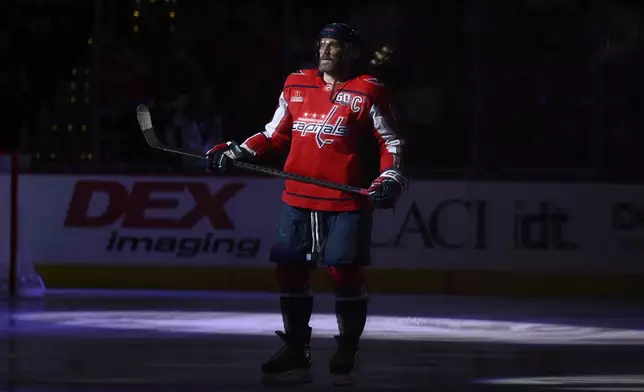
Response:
column 481, row 87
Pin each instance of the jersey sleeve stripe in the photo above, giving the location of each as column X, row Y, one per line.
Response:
column 279, row 115
column 385, row 130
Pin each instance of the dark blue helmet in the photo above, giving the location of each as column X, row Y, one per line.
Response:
column 340, row 31
column 343, row 33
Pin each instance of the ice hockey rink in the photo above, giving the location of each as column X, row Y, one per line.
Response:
column 216, row 341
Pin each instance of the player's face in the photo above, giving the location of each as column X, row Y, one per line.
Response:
column 331, row 55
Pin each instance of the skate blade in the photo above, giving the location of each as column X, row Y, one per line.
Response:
column 297, row 376
column 343, row 380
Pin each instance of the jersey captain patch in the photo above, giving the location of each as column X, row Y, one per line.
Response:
column 351, row 100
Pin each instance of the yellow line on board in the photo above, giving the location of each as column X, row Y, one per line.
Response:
column 458, row 282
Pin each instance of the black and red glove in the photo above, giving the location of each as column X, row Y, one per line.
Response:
column 221, row 156
column 385, row 190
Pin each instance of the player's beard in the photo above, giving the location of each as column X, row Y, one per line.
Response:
column 331, row 65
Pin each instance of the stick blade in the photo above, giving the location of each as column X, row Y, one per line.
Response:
column 145, row 123
column 143, row 115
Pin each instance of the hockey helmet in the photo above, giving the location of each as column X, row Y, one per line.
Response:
column 343, row 33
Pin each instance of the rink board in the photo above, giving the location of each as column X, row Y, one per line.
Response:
column 5, row 216
column 383, row 281
column 215, row 233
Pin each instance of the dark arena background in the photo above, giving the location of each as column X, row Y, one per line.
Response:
column 514, row 261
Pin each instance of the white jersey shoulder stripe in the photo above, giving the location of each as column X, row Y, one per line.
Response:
column 279, row 114
column 386, row 131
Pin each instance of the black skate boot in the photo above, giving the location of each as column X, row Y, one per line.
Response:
column 344, row 362
column 291, row 364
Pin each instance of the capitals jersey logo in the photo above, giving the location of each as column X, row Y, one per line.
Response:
column 319, row 126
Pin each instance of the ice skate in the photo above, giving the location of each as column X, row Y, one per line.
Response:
column 291, row 364
column 344, row 362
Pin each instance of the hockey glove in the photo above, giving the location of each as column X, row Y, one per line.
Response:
column 382, row 55
column 385, row 190
column 222, row 155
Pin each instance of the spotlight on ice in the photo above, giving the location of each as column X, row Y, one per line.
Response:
column 325, row 325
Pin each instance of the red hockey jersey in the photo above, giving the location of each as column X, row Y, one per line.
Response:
column 327, row 130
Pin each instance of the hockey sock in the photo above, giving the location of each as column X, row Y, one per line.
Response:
column 351, row 301
column 296, row 300
column 296, row 314
column 352, row 317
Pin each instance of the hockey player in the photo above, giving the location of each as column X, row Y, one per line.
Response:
column 328, row 120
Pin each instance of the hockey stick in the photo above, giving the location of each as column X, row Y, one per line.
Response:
column 145, row 122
